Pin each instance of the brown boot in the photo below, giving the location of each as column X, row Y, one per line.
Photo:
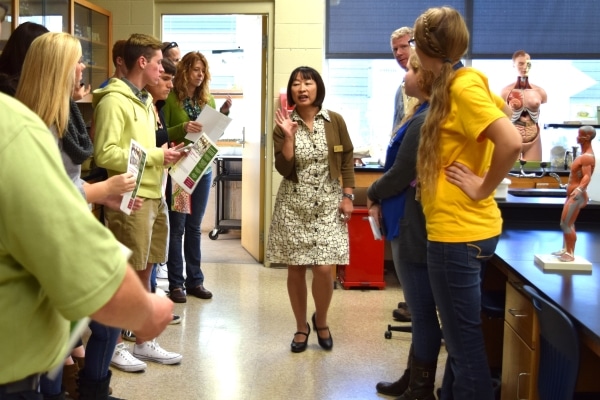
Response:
column 69, row 381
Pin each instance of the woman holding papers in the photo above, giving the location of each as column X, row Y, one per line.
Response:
column 391, row 200
column 189, row 96
column 313, row 151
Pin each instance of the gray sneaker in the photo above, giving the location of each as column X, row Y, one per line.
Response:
column 151, row 351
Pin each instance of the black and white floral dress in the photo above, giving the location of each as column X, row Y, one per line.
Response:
column 306, row 228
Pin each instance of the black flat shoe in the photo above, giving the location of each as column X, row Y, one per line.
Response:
column 327, row 343
column 299, row 347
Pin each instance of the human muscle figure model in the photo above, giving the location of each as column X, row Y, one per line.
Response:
column 524, row 99
column 577, row 197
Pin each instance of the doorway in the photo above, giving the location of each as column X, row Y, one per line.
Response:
column 234, row 46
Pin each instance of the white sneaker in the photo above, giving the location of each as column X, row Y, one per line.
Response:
column 123, row 360
column 151, row 351
column 175, row 320
column 162, row 272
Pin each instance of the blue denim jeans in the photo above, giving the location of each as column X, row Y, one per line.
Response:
column 153, row 278
column 99, row 350
column 426, row 332
column 455, row 275
column 188, row 224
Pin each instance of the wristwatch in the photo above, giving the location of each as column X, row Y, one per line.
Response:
column 348, row 195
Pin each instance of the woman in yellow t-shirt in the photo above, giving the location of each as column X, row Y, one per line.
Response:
column 467, row 147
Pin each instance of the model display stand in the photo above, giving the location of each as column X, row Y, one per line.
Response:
column 549, row 262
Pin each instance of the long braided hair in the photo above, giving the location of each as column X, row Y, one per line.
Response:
column 440, row 32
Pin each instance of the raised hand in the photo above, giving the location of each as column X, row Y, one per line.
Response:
column 226, row 106
column 282, row 119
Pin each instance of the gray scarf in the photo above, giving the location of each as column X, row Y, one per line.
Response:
column 76, row 141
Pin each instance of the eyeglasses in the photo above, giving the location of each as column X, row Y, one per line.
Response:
column 412, row 43
column 170, row 46
column 3, row 12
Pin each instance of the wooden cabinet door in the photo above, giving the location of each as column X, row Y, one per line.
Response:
column 519, row 377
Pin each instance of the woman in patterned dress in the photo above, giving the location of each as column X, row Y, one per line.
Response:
column 312, row 151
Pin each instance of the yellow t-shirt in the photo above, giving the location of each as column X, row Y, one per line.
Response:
column 452, row 216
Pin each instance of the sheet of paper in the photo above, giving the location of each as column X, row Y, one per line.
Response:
column 135, row 165
column 213, row 124
column 188, row 171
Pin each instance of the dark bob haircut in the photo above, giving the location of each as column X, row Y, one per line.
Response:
column 307, row 73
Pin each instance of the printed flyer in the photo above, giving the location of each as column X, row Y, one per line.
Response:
column 135, row 165
column 189, row 169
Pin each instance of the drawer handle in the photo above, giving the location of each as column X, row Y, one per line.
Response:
column 516, row 313
column 519, row 385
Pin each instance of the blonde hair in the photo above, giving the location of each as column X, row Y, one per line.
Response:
column 48, row 78
column 440, row 32
column 425, row 81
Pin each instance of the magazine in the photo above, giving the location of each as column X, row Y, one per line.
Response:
column 135, row 165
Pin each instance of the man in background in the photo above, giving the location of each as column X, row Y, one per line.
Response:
column 401, row 51
column 118, row 59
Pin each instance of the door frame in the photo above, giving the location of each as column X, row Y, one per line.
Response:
column 265, row 9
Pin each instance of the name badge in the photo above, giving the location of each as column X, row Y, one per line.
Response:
column 338, row 149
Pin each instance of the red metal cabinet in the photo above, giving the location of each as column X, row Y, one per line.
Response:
column 366, row 255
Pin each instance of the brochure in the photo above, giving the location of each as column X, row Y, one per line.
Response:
column 188, row 171
column 135, row 165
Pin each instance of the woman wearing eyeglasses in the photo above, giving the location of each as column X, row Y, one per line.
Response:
column 171, row 51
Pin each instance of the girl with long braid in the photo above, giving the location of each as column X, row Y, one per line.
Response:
column 467, row 147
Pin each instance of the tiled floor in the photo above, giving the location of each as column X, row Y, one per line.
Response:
column 237, row 345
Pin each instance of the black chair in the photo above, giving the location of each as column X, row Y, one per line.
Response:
column 559, row 350
column 397, row 328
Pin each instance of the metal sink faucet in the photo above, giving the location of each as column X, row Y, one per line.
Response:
column 523, row 174
column 560, row 184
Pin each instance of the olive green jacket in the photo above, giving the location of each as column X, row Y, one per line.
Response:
column 341, row 159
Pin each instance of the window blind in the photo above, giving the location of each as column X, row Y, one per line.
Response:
column 358, row 29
